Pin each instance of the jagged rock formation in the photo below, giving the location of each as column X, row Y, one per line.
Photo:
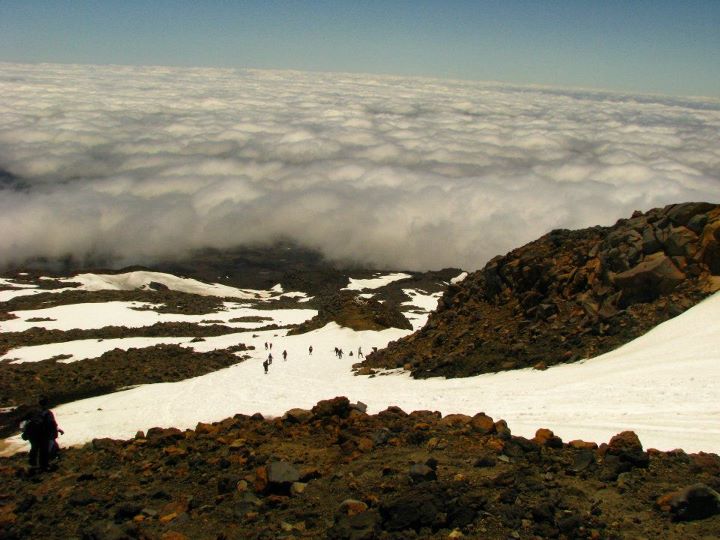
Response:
column 568, row 295
column 352, row 311
column 336, row 472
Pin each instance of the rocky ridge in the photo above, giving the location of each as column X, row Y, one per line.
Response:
column 568, row 295
column 335, row 472
column 353, row 311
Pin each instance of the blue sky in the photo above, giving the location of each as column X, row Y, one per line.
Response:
column 657, row 46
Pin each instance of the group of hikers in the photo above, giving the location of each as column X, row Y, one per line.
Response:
column 339, row 353
column 269, row 360
column 40, row 429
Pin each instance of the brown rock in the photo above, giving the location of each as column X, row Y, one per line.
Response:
column 482, row 424
column 173, row 535
column 261, row 479
column 626, row 441
column 545, row 437
column 456, row 420
column 338, row 406
column 694, row 502
column 654, row 276
column 582, row 445
column 298, row 416
column 351, row 507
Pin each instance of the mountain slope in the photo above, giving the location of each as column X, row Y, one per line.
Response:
column 568, row 295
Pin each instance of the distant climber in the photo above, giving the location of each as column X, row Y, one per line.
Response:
column 269, row 360
column 284, row 355
column 310, row 350
column 265, row 366
column 266, row 346
column 41, row 430
column 360, row 353
column 340, row 353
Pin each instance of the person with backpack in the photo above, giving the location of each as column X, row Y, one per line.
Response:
column 41, row 431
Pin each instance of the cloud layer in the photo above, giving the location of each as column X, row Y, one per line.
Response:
column 143, row 163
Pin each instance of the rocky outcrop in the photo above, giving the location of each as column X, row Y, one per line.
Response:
column 352, row 311
column 568, row 295
column 343, row 474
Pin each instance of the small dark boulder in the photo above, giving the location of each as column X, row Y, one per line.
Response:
column 694, row 502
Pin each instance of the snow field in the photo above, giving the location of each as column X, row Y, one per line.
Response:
column 664, row 386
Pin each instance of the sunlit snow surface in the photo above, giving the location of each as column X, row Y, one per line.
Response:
column 664, row 385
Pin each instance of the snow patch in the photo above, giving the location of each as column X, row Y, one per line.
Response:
column 376, row 282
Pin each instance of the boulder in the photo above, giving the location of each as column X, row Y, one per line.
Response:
column 276, row 478
column 298, row 416
column 351, row 507
column 455, row 420
column 627, row 447
column 420, row 472
column 654, row 276
column 338, row 406
column 694, row 502
column 545, row 437
column 482, row 424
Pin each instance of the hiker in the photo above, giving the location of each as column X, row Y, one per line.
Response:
column 310, row 349
column 337, row 352
column 360, row 353
column 340, row 353
column 269, row 360
column 41, row 430
column 271, row 346
column 284, row 355
column 266, row 348
column 265, row 366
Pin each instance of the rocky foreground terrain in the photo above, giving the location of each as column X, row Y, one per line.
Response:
column 568, row 295
column 336, row 472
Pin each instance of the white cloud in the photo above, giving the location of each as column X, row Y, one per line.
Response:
column 408, row 173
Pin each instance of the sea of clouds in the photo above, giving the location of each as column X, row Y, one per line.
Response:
column 141, row 163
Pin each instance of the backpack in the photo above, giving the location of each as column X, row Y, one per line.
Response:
column 34, row 427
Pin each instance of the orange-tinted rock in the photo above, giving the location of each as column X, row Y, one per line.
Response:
column 456, row 420
column 626, row 441
column 202, row 429
column 582, row 445
column 173, row 535
column 707, row 463
column 545, row 437
column 482, row 424
column 351, row 507
column 260, row 483
column 167, row 518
